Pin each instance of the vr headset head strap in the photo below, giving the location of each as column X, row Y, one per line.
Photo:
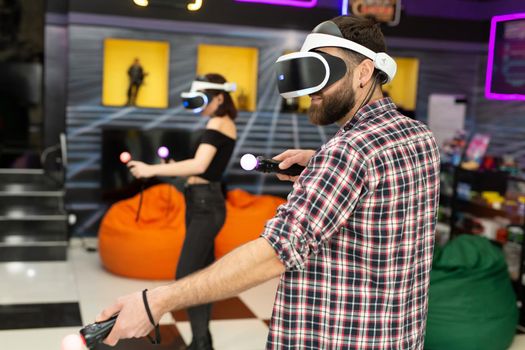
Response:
column 328, row 34
column 198, row 85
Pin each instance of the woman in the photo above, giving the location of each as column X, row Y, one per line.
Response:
column 205, row 206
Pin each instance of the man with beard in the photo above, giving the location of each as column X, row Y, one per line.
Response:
column 353, row 244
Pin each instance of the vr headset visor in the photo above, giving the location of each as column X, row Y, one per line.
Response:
column 198, row 98
column 309, row 71
column 304, row 73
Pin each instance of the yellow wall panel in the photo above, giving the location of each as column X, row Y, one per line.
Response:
column 118, row 57
column 236, row 64
column 403, row 89
column 304, row 103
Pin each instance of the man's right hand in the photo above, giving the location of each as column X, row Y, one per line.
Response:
column 290, row 157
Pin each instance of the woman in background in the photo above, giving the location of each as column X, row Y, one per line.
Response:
column 205, row 203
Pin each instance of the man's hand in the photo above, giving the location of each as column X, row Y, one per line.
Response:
column 290, row 157
column 140, row 169
column 247, row 266
column 132, row 320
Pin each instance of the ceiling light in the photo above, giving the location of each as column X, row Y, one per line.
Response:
column 141, row 2
column 195, row 6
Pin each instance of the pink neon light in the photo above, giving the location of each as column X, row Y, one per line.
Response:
column 490, row 62
column 295, row 3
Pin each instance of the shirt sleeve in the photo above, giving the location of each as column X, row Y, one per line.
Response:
column 322, row 200
column 212, row 137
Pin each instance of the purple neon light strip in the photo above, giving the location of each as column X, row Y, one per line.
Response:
column 294, row 3
column 490, row 62
column 344, row 7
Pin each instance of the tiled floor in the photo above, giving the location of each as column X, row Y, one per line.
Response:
column 82, row 283
column 70, row 294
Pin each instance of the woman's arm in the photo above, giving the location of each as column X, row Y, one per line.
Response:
column 188, row 167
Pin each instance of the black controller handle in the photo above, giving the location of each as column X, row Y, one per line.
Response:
column 96, row 332
column 272, row 166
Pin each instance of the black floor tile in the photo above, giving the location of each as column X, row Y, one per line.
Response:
column 228, row 309
column 40, row 316
column 56, row 252
column 171, row 340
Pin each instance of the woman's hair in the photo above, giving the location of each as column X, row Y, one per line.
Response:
column 227, row 107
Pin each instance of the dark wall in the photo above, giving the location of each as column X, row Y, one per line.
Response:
column 21, row 66
column 55, row 71
column 55, row 75
column 265, row 132
column 454, row 64
column 57, row 6
column 461, row 9
column 284, row 17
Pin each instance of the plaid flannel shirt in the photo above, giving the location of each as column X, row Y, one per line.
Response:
column 356, row 236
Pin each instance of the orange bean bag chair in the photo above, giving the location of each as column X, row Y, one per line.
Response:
column 246, row 215
column 150, row 248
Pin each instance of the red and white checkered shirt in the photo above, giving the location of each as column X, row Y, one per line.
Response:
column 356, row 236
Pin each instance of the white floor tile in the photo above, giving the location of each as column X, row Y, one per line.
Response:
column 167, row 319
column 37, row 282
column 247, row 334
column 519, row 343
column 98, row 288
column 34, row 339
column 185, row 331
column 260, row 299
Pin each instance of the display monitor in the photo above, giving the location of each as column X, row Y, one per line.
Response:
column 506, row 58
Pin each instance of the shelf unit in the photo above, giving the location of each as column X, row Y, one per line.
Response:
column 483, row 181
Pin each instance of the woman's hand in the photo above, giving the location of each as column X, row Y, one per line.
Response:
column 140, row 169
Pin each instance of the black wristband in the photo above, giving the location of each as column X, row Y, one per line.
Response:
column 150, row 316
column 146, row 306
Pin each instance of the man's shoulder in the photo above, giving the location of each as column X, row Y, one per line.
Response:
column 391, row 129
column 341, row 143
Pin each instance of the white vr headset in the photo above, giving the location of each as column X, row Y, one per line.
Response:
column 306, row 72
column 198, row 98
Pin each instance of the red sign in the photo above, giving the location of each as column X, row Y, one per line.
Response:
column 387, row 11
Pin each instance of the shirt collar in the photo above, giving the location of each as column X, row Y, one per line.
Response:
column 376, row 108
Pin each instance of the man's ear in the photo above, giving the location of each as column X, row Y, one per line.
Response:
column 365, row 70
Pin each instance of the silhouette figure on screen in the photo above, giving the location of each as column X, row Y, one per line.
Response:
column 136, row 78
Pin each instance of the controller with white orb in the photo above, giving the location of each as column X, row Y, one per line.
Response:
column 90, row 335
column 250, row 162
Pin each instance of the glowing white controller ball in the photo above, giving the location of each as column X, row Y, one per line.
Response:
column 163, row 152
column 72, row 342
column 125, row 157
column 248, row 162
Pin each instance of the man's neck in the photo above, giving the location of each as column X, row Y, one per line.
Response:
column 378, row 94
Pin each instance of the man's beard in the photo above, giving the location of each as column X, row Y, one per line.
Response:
column 333, row 107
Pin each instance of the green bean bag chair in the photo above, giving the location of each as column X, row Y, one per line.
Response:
column 472, row 305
